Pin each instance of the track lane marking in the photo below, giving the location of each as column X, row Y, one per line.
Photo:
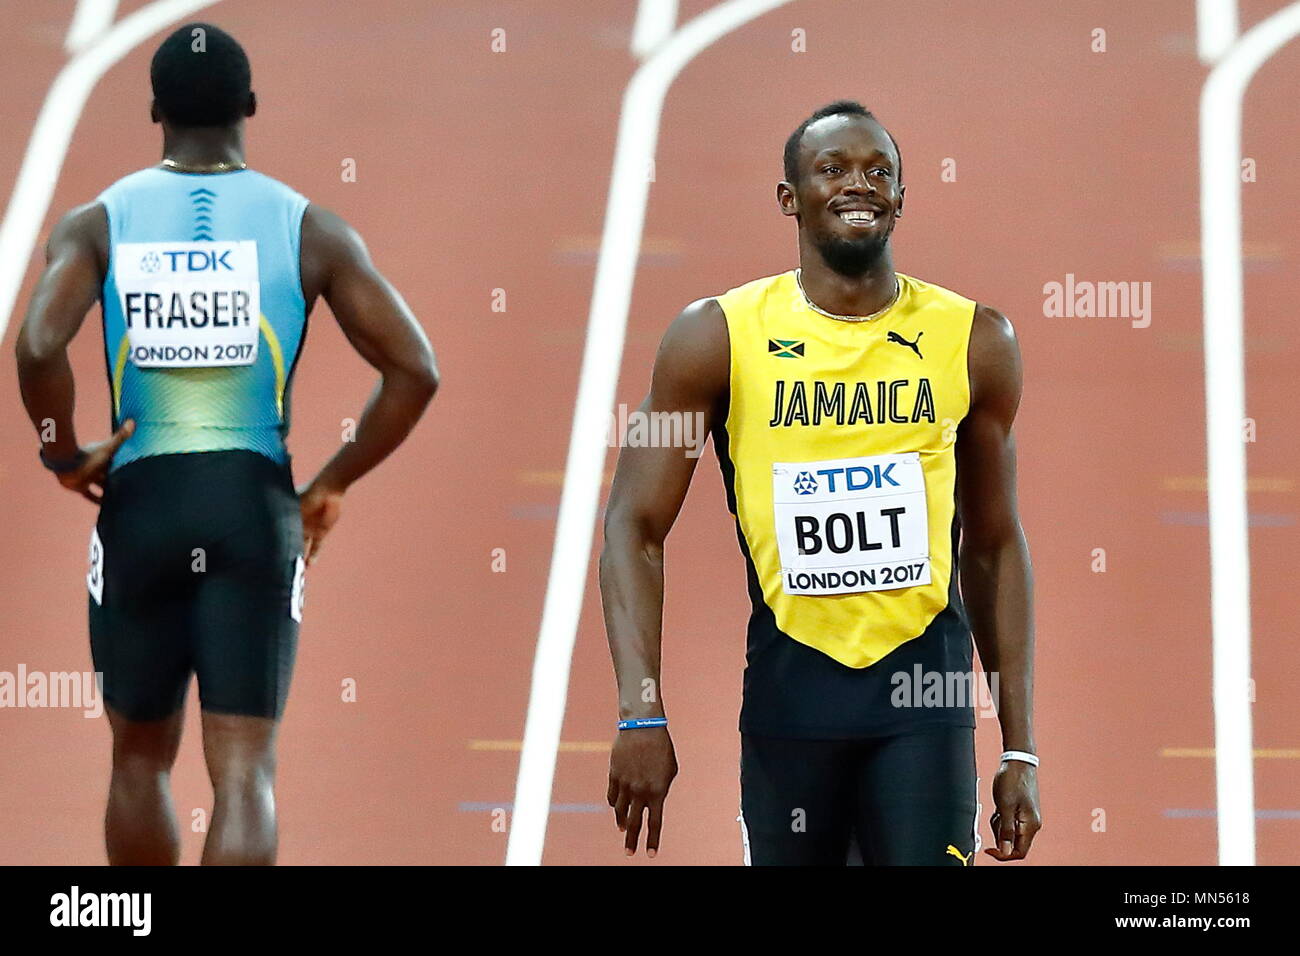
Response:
column 638, row 133
column 52, row 135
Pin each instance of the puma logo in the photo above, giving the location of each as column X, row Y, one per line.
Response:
column 895, row 337
column 952, row 850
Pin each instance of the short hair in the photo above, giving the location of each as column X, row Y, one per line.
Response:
column 201, row 77
column 838, row 108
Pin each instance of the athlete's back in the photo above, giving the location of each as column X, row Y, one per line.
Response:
column 205, row 270
column 203, row 310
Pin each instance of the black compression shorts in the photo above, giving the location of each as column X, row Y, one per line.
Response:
column 198, row 571
column 904, row 800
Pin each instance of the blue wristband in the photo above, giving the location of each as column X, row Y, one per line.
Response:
column 637, row 723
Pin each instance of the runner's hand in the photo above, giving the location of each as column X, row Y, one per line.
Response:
column 94, row 469
column 321, row 507
column 1016, row 821
column 641, row 769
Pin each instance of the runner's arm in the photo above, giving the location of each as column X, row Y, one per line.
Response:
column 996, row 577
column 691, row 376
column 65, row 292
column 382, row 329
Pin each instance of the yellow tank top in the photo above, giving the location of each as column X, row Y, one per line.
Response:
column 840, row 440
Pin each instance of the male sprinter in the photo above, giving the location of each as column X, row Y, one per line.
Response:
column 862, row 419
column 206, row 271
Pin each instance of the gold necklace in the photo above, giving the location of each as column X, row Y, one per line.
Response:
column 170, row 163
column 898, row 288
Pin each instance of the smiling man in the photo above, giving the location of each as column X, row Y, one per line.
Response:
column 863, row 422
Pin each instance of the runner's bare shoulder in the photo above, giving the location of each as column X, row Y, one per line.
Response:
column 994, row 360
column 694, row 357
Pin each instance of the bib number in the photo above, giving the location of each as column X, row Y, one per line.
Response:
column 299, row 586
column 95, row 573
column 851, row 525
column 189, row 304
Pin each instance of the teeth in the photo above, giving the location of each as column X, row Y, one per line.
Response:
column 858, row 215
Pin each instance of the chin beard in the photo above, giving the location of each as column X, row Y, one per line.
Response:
column 852, row 257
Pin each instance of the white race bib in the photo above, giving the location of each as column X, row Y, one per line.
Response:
column 850, row 525
column 299, row 584
column 189, row 304
column 95, row 574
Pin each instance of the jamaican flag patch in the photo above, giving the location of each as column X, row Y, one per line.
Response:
column 785, row 348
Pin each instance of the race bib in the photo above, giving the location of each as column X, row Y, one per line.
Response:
column 850, row 525
column 299, row 583
column 189, row 304
column 95, row 575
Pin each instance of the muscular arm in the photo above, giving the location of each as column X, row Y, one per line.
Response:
column 75, row 257
column 336, row 266
column 690, row 377
column 996, row 578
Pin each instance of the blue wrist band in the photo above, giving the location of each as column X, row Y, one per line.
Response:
column 638, row 722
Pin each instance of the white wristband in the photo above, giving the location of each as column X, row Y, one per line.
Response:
column 1020, row 755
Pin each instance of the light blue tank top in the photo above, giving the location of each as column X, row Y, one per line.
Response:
column 203, row 310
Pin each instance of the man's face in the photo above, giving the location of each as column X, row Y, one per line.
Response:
column 848, row 196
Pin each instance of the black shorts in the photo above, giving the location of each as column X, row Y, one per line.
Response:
column 199, row 572
column 904, row 800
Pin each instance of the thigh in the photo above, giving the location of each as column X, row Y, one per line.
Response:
column 141, row 584
column 917, row 799
column 247, row 607
column 796, row 801
column 245, row 643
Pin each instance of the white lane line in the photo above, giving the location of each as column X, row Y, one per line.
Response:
column 1225, row 408
column 52, row 135
column 655, row 20
column 1216, row 29
column 89, row 20
column 638, row 132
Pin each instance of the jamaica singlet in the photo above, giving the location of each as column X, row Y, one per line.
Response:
column 838, row 453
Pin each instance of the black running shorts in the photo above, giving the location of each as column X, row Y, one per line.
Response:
column 905, row 800
column 196, row 568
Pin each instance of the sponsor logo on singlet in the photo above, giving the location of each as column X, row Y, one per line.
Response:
column 849, row 525
column 189, row 304
column 898, row 339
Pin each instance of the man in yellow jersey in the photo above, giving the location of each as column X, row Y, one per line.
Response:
column 863, row 422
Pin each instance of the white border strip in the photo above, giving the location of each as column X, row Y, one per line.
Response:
column 1216, row 29
column 52, row 135
column 1225, row 408
column 638, row 133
